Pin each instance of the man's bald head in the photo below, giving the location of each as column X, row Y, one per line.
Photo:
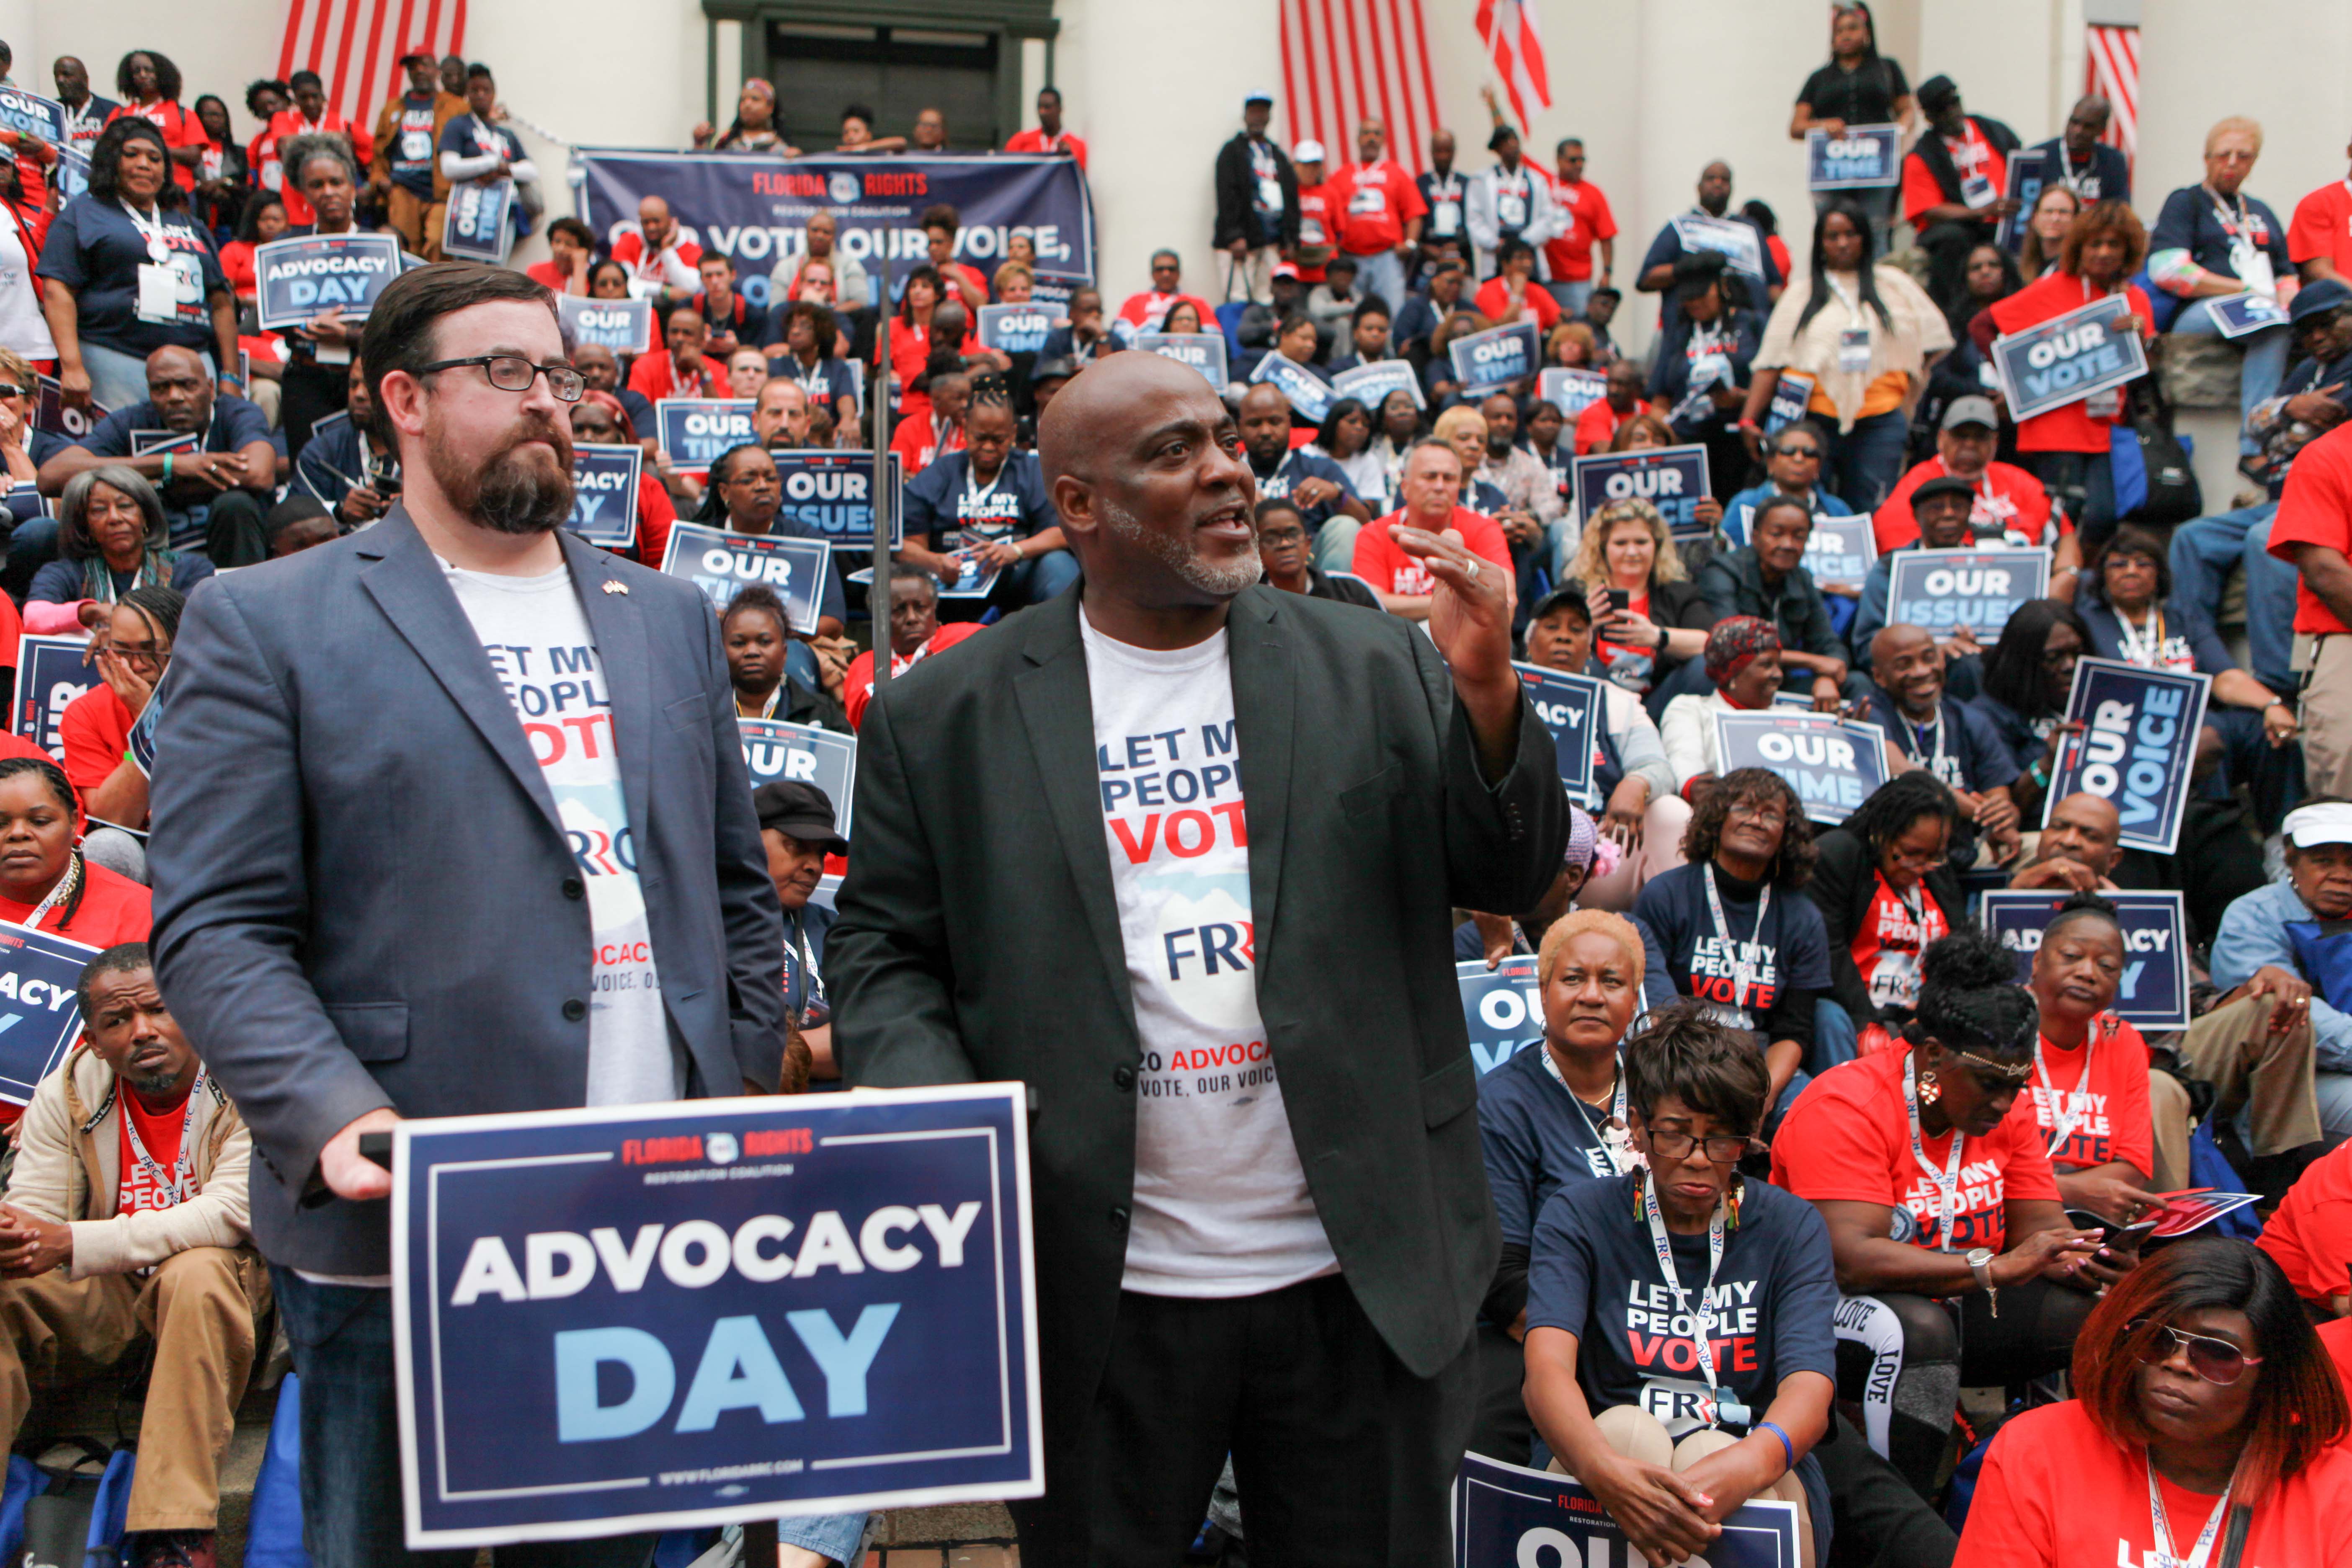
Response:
column 2086, row 828
column 1895, row 639
column 1078, row 426
column 1908, row 666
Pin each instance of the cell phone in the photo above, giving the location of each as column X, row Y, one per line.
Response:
column 2123, row 1237
column 1621, row 600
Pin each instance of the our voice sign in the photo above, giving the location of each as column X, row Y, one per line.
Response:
column 2068, row 358
column 294, row 279
column 664, row 1316
column 2137, row 749
column 1502, row 1008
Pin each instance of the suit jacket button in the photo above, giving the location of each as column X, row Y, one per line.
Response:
column 574, row 887
column 1122, row 1076
column 575, row 1009
column 1118, row 1216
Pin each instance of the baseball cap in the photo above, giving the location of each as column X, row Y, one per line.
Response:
column 1944, row 485
column 2313, row 299
column 2326, row 821
column 1257, row 95
column 1971, row 411
column 1308, row 152
column 1060, row 369
column 799, row 811
column 1285, row 269
column 419, row 50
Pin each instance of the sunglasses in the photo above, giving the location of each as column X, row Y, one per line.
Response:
column 1995, row 1076
column 2216, row 1361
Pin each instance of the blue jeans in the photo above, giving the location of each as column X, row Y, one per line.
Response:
column 1862, row 464
column 1383, row 273
column 1835, row 1039
column 1038, row 578
column 832, row 1536
column 2205, row 552
column 1335, row 543
column 2259, row 376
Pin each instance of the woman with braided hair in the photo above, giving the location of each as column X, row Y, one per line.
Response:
column 985, row 504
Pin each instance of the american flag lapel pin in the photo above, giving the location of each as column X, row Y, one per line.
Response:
column 614, row 586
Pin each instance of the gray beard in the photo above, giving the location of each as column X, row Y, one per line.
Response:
column 1223, row 582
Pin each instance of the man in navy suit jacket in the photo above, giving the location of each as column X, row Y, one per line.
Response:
column 450, row 817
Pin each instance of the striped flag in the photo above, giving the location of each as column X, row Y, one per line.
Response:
column 1345, row 59
column 354, row 46
column 1508, row 29
column 2113, row 72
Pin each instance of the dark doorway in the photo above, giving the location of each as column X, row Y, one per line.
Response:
column 895, row 71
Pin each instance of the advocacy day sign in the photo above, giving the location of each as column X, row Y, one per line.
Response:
column 694, row 431
column 294, row 279
column 1570, row 707
column 2067, row 358
column 693, row 1313
column 1204, row 351
column 776, row 752
column 1502, row 1007
column 624, row 326
column 831, row 490
column 604, row 493
column 2153, row 992
column 51, row 671
column 755, row 209
column 1833, row 764
column 1944, row 590
column 2138, row 747
column 1791, row 395
column 1860, row 157
column 1672, row 478
column 719, row 564
column 40, row 1010
column 1508, row 1517
column 1494, row 359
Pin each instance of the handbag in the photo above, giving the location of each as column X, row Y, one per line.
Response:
column 2233, row 1542
column 2155, row 482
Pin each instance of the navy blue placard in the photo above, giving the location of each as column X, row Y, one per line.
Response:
column 2067, row 358
column 777, row 753
column 694, row 431
column 2137, row 749
column 146, row 442
column 604, row 493
column 1570, row 707
column 1053, row 290
column 1672, row 478
column 294, row 279
column 1858, row 158
column 2028, row 173
column 720, row 562
column 1016, row 329
column 624, row 326
column 1506, row 1516
column 2154, row 991
column 51, row 413
column 477, row 227
column 2242, row 313
column 1491, row 359
column 1839, row 549
column 1206, row 352
column 1370, row 385
column 51, row 671
column 1571, row 391
column 1310, row 394
column 1790, row 397
column 1501, row 1007
column 1833, row 764
column 27, row 502
column 40, row 1015
column 1944, row 590
column 666, row 1316
column 831, row 490
column 23, row 111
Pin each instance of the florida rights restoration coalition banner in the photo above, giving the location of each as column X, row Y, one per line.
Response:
column 1946, row 590
column 1833, row 764
column 755, row 210
column 2153, row 992
column 2137, row 747
column 1502, row 1008
column 672, row 1315
column 295, row 279
column 1508, row 1517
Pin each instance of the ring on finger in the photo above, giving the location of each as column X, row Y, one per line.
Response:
column 1470, row 567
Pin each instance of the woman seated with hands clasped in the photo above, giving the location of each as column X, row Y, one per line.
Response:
column 1956, row 1257
column 2092, row 1089
column 1679, row 1356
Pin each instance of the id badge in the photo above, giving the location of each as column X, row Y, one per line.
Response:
column 1445, row 219
column 1367, row 201
column 2252, row 266
column 416, row 146
column 1269, row 195
column 2107, row 405
column 159, row 293
column 1976, row 190
column 1854, row 350
column 1511, row 211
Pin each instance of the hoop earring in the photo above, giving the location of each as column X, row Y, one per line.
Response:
column 1929, row 1090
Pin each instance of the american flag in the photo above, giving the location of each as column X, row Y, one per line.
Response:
column 354, row 46
column 2113, row 72
column 1345, row 59
column 1508, row 27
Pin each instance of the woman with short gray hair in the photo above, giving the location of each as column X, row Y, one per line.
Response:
column 110, row 540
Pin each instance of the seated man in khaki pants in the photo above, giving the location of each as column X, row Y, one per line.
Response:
column 120, row 1225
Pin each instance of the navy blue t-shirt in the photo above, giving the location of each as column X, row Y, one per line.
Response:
column 1971, row 756
column 1297, row 464
column 2191, row 221
column 2190, row 644
column 235, row 425
column 1668, row 248
column 95, row 250
column 470, row 137
column 411, row 152
column 1789, row 956
column 1536, row 1140
column 827, row 382
column 941, row 499
column 810, row 924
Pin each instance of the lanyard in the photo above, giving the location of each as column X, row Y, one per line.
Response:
column 768, row 708
column 58, row 894
column 2161, row 1527
column 2245, row 217
column 2058, row 1105
column 1920, row 744
column 151, row 230
column 2145, row 651
column 1743, row 972
column 1948, row 1179
column 974, row 492
column 1613, row 1140
column 170, row 1191
column 1702, row 1319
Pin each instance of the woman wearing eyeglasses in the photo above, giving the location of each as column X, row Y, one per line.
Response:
column 2206, row 1428
column 1680, row 1361
column 95, row 728
column 1886, row 893
column 1957, row 1260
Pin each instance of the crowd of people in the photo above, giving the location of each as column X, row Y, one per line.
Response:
column 1782, row 1064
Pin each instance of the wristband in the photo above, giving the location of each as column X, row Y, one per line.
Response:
column 2041, row 779
column 1746, row 424
column 1787, row 1449
column 167, row 468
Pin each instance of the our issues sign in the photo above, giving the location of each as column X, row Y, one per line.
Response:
column 1858, row 158
column 1946, row 590
column 831, row 491
column 720, row 564
column 2094, row 349
column 2153, row 991
column 755, row 209
column 1506, row 1516
column 1204, row 351
column 604, row 493
column 1497, row 358
column 40, row 1011
column 624, row 326
column 2137, row 748
column 667, row 1316
column 696, row 431
column 294, row 279
column 1833, row 764
column 1672, row 478
column 777, row 752
column 1502, row 1007
column 1015, row 329
column 51, row 671
column 1570, row 707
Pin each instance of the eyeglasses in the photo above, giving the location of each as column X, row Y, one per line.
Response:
column 1282, row 536
column 1764, row 813
column 1721, row 1151
column 2214, row 1360
column 512, row 373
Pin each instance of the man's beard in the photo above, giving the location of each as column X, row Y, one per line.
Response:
column 507, row 493
column 154, row 1086
column 1223, row 582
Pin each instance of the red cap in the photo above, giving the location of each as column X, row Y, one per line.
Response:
column 419, row 50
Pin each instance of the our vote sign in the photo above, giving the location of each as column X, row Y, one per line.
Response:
column 1672, row 478
column 2137, row 747
column 1015, row 329
column 1570, row 707
column 51, row 671
column 1839, row 549
column 831, row 491
column 1309, row 393
column 1946, row 590
column 1506, row 1516
column 2153, row 992
column 1858, row 158
column 30, row 113
column 624, row 326
column 2068, row 358
column 477, row 227
column 294, row 279
column 1571, row 391
column 777, row 752
column 1370, row 385
column 1833, row 764
column 1491, row 359
column 1204, row 351
column 694, row 431
column 604, row 493
column 40, row 1013
column 722, row 564
column 666, row 1316
column 1502, row 1007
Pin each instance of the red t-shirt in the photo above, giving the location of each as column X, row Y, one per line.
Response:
column 1597, row 425
column 2057, row 1492
column 857, row 687
column 114, row 909
column 237, row 266
column 919, row 442
column 1318, row 206
column 656, row 512
column 2311, row 1234
column 1887, row 944
column 548, row 276
column 2071, row 427
column 1970, row 152
column 182, row 129
column 629, row 250
column 1589, row 219
column 655, row 376
column 1372, row 203
column 2316, row 509
column 1607, row 652
column 2321, row 229
column 1038, row 142
column 1494, row 300
column 1383, row 563
column 284, row 126
column 2108, row 1112
column 2337, row 1335
column 1147, row 310
column 159, row 1133
column 95, row 730
column 2008, row 499
column 1848, row 1140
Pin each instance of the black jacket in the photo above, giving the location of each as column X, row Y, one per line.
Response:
column 979, row 941
column 1237, row 213
column 1845, row 880
column 1930, row 152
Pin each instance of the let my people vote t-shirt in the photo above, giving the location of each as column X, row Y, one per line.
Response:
column 411, row 146
column 1788, row 948
column 1220, row 1203
column 945, row 498
column 1536, row 1138
column 96, row 249
column 152, row 1184
column 2105, row 1109
column 546, row 660
column 1895, row 931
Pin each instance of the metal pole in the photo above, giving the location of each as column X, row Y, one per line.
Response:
column 877, row 419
